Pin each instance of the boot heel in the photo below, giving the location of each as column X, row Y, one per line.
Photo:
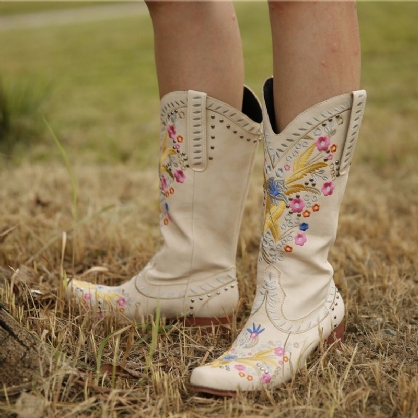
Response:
column 207, row 322
column 337, row 334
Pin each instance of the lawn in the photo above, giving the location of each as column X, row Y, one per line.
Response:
column 96, row 86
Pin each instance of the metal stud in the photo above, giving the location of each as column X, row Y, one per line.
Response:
column 200, row 298
column 218, row 292
column 213, row 117
column 192, row 300
column 209, row 295
column 212, row 126
column 221, row 120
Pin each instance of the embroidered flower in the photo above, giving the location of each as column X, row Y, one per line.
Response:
column 171, row 129
column 322, row 143
column 304, row 226
column 87, row 296
column 279, row 351
column 328, row 188
column 333, row 148
column 306, row 213
column 255, row 332
column 330, row 157
column 165, row 221
column 276, row 189
column 179, row 176
column 230, row 357
column 315, row 207
column 300, row 239
column 287, row 167
column 240, row 367
column 288, row 248
column 241, row 374
column 249, row 378
column 180, row 138
column 122, row 301
column 266, row 378
column 171, row 190
column 163, row 183
column 176, row 146
column 297, row 205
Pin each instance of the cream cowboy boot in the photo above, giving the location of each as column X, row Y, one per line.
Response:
column 207, row 156
column 297, row 304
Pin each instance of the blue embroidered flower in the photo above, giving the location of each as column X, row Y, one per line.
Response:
column 275, row 189
column 304, row 226
column 230, row 357
column 166, row 207
column 255, row 332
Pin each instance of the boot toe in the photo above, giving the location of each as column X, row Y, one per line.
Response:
column 222, row 381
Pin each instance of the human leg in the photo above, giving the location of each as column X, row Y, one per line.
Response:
column 306, row 167
column 207, row 151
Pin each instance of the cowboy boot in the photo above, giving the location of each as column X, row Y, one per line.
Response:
column 206, row 159
column 297, row 304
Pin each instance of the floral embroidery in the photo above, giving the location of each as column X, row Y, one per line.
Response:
column 297, row 205
column 304, row 226
column 322, row 143
column 179, row 176
column 172, row 165
column 171, row 131
column 255, row 332
column 240, row 367
column 293, row 185
column 328, row 188
column 300, row 239
column 266, row 378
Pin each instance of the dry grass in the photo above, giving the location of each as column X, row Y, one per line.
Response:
column 143, row 370
column 375, row 373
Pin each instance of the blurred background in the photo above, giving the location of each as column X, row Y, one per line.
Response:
column 88, row 68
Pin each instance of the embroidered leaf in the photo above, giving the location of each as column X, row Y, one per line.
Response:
column 313, row 190
column 163, row 169
column 296, row 189
column 300, row 174
column 272, row 215
column 302, row 160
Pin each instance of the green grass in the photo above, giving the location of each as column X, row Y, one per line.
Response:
column 13, row 8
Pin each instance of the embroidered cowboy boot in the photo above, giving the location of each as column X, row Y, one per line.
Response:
column 206, row 159
column 297, row 304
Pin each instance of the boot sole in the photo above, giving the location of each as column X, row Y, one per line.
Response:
column 336, row 337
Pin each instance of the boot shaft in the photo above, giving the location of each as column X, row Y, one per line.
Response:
column 306, row 170
column 207, row 156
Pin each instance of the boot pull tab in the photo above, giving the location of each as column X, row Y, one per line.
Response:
column 357, row 110
column 196, row 130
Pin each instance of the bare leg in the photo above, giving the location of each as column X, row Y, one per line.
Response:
column 198, row 47
column 316, row 54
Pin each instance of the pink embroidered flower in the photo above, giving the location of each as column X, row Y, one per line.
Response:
column 266, row 378
column 171, row 129
column 176, row 146
column 240, row 367
column 163, row 182
column 300, row 239
column 328, row 188
column 322, row 143
column 122, row 301
column 279, row 351
column 330, row 157
column 87, row 296
column 297, row 205
column 287, row 167
column 179, row 176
